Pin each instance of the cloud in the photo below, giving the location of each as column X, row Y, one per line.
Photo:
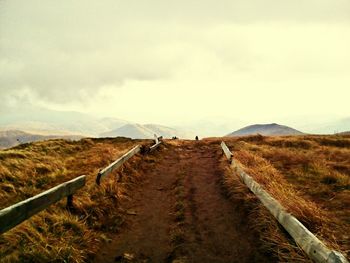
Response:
column 241, row 11
column 59, row 74
column 58, row 59
column 75, row 52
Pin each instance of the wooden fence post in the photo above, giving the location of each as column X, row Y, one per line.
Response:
column 70, row 205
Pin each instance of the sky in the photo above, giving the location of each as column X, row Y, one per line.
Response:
column 173, row 62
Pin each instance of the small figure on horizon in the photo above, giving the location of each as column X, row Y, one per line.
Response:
column 197, row 138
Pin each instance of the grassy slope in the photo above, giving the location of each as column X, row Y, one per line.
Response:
column 11, row 138
column 55, row 234
column 309, row 175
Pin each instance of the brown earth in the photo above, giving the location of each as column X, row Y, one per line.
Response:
column 179, row 213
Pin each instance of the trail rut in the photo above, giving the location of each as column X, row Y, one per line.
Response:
column 179, row 212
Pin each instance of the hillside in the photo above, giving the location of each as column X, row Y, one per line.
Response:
column 123, row 218
column 147, row 131
column 55, row 235
column 205, row 210
column 10, row 138
column 309, row 175
column 272, row 129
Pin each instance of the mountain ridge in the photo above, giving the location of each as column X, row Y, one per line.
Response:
column 272, row 129
column 147, row 131
column 11, row 138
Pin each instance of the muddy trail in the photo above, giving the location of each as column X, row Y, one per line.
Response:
column 179, row 213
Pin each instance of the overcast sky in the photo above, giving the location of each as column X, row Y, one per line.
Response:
column 177, row 61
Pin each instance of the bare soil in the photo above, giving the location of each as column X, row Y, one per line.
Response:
column 179, row 213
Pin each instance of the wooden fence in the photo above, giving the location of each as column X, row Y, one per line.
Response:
column 117, row 163
column 153, row 147
column 17, row 213
column 312, row 246
column 157, row 141
column 226, row 152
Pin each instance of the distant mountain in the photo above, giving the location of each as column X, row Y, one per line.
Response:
column 134, row 131
column 147, row 131
column 168, row 132
column 273, row 129
column 47, row 122
column 12, row 138
column 39, row 121
column 112, row 123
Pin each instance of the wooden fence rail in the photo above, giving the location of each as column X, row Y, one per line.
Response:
column 227, row 152
column 17, row 213
column 312, row 246
column 117, row 163
column 157, row 142
column 153, row 147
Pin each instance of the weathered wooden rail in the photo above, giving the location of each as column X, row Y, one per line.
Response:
column 17, row 213
column 117, row 163
column 153, row 147
column 312, row 246
column 227, row 152
column 158, row 141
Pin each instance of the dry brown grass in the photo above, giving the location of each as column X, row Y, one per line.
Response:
column 310, row 177
column 56, row 235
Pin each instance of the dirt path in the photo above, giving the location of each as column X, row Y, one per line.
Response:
column 180, row 213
